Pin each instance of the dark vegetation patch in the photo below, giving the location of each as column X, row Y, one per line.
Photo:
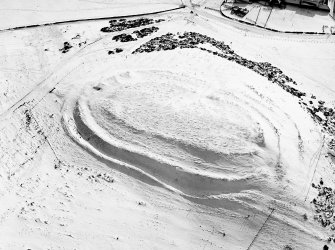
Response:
column 67, row 46
column 124, row 38
column 123, row 24
column 28, row 118
column 75, row 42
column 331, row 146
column 106, row 178
column 97, row 88
column 98, row 177
column 324, row 207
column 145, row 31
column 82, row 43
column 115, row 51
column 136, row 34
column 76, row 37
column 324, row 116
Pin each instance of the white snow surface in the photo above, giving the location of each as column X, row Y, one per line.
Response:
column 16, row 13
column 174, row 149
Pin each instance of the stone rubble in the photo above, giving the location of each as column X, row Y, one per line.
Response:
column 124, row 38
column 145, row 32
column 123, row 24
column 324, row 207
column 135, row 35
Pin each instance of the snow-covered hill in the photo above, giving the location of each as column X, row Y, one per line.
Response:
column 199, row 133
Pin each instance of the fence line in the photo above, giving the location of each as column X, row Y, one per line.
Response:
column 254, row 239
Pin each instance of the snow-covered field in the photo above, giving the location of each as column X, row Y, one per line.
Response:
column 23, row 13
column 138, row 145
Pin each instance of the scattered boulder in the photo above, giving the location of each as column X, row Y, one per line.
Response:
column 117, row 50
column 66, row 48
